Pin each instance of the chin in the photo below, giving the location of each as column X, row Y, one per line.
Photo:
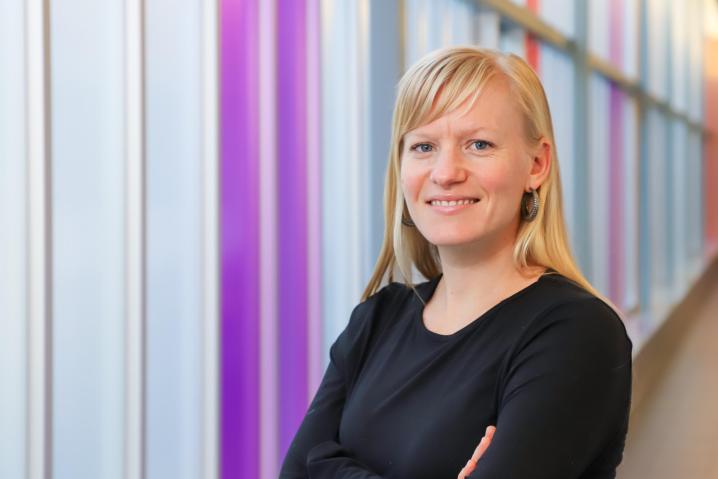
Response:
column 452, row 239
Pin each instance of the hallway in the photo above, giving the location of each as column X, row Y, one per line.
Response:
column 674, row 430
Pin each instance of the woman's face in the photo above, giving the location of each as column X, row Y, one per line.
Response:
column 479, row 158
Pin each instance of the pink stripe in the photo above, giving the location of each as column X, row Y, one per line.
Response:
column 269, row 364
column 314, row 204
column 239, row 223
column 292, row 164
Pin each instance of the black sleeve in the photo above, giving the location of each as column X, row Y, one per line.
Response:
column 315, row 451
column 566, row 396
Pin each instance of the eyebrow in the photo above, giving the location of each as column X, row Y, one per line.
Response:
column 466, row 132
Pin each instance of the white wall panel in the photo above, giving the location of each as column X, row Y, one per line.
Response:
column 557, row 76
column 13, row 239
column 598, row 171
column 631, row 183
column 343, row 70
column 174, row 239
column 88, row 229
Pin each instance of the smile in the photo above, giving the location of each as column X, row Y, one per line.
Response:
column 449, row 207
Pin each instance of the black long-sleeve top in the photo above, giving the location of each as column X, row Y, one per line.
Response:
column 549, row 366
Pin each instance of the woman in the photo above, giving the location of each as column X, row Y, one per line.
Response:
column 507, row 337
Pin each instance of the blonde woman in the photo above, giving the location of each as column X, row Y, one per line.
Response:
column 506, row 363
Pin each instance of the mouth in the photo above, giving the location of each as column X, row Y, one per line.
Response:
column 453, row 206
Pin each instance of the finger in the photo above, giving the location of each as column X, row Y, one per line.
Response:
column 479, row 451
column 462, row 474
column 467, row 470
column 490, row 431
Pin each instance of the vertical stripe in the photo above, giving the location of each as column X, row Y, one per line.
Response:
column 645, row 265
column 581, row 105
column 616, row 198
column 532, row 43
column 292, row 163
column 240, row 238
column 210, row 241
column 710, row 157
column 269, row 352
column 616, row 193
column 313, row 200
column 13, row 242
column 668, row 194
column 39, row 447
column 135, row 240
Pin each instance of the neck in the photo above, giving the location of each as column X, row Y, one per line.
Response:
column 487, row 269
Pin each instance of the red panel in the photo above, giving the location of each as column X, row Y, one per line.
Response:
column 711, row 146
column 532, row 44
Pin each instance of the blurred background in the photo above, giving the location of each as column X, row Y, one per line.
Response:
column 191, row 205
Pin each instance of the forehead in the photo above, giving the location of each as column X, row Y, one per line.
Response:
column 493, row 110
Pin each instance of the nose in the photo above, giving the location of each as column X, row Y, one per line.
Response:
column 448, row 169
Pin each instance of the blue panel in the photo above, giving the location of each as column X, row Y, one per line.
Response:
column 560, row 14
column 88, row 233
column 174, row 239
column 13, row 273
column 598, row 172
column 557, row 77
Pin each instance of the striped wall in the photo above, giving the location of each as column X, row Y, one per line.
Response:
column 191, row 202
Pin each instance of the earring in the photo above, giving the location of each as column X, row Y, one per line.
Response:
column 404, row 221
column 530, row 205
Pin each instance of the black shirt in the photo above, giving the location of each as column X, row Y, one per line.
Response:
column 549, row 366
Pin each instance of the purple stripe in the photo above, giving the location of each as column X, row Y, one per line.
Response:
column 239, row 240
column 617, row 188
column 292, row 168
column 314, row 197
column 269, row 438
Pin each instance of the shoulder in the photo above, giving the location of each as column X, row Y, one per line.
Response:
column 366, row 321
column 380, row 301
column 572, row 320
column 375, row 311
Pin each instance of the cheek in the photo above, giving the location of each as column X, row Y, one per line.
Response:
column 410, row 184
column 499, row 179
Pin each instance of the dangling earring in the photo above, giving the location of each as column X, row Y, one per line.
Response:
column 530, row 205
column 406, row 222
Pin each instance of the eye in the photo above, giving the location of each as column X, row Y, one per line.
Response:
column 422, row 148
column 481, row 144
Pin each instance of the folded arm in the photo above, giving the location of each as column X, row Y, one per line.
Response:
column 566, row 397
column 315, row 451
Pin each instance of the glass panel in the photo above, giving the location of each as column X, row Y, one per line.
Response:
column 559, row 14
column 174, row 225
column 557, row 76
column 13, row 238
column 598, row 173
column 88, row 232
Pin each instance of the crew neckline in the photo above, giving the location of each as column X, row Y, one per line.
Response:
column 429, row 288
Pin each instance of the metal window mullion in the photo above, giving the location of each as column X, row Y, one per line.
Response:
column 526, row 19
column 210, row 239
column 581, row 124
column 135, row 240
column 644, row 234
column 39, row 234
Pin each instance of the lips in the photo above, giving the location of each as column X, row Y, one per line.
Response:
column 451, row 198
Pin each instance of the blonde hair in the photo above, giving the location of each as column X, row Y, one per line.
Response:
column 437, row 84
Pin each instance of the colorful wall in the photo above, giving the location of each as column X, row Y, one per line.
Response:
column 191, row 201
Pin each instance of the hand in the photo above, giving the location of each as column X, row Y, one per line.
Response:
column 478, row 452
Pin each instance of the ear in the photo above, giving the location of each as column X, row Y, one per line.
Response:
column 541, row 160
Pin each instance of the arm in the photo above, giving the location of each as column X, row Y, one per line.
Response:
column 565, row 398
column 315, row 451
